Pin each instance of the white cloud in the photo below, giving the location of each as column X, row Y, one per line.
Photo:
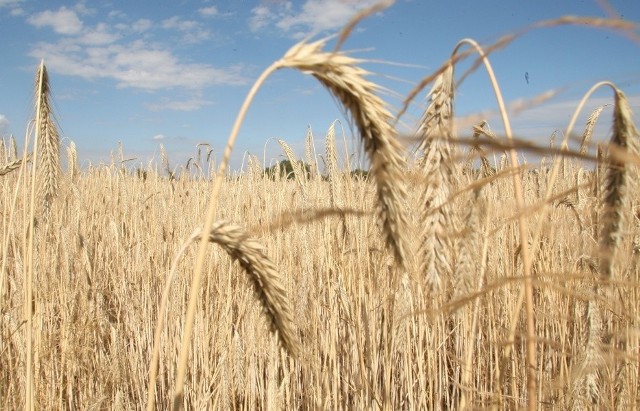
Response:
column 116, row 14
column 4, row 123
column 10, row 3
column 313, row 17
column 82, row 8
column 63, row 21
column 99, row 36
column 141, row 25
column 106, row 51
column 192, row 31
column 136, row 65
column 208, row 11
column 13, row 6
column 101, row 52
column 262, row 16
column 191, row 104
column 158, row 137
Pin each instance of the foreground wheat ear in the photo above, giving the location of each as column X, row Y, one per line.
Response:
column 437, row 166
column 624, row 137
column 263, row 275
column 343, row 77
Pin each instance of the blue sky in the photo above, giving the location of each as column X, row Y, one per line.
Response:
column 146, row 73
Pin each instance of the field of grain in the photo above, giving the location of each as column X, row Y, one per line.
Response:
column 450, row 282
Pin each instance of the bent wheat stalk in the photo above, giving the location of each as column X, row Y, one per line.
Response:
column 341, row 75
column 14, row 165
column 264, row 277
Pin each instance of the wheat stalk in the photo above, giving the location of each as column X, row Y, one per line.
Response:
column 624, row 137
column 48, row 142
column 310, row 154
column 298, row 169
column 14, row 165
column 255, row 168
column 588, row 129
column 342, row 76
column 261, row 272
column 264, row 276
column 435, row 132
column 165, row 163
column 72, row 161
column 331, row 154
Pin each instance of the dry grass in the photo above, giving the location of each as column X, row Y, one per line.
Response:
column 79, row 303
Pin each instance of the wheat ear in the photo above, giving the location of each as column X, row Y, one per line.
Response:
column 588, row 129
column 48, row 142
column 435, row 132
column 310, row 154
column 298, row 169
column 342, row 76
column 624, row 138
column 332, row 167
column 72, row 161
column 14, row 165
column 263, row 275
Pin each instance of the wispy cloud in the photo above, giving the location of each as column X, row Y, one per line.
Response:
column 14, row 7
column 313, row 17
column 158, row 137
column 62, row 21
column 262, row 16
column 192, row 31
column 208, row 11
column 141, row 25
column 10, row 3
column 127, row 54
column 194, row 103
column 136, row 65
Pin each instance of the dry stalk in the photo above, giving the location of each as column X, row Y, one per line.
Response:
column 526, row 293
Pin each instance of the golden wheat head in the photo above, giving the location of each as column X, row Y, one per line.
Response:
column 342, row 76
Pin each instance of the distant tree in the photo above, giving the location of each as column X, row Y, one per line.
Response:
column 360, row 174
column 286, row 170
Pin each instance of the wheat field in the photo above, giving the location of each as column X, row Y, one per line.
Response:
column 446, row 281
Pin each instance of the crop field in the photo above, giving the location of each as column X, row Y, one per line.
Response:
column 456, row 276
